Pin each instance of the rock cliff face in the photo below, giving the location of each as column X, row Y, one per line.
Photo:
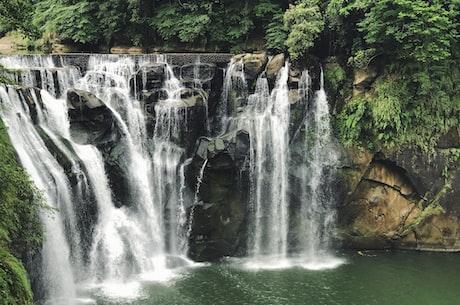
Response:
column 403, row 198
column 219, row 173
column 400, row 198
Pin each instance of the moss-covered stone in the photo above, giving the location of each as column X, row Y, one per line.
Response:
column 14, row 283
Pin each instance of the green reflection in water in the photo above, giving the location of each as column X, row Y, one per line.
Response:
column 381, row 278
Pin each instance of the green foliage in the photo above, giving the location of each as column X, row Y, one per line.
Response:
column 414, row 107
column 203, row 23
column 73, row 21
column 170, row 23
column 335, row 77
column 17, row 15
column 342, row 17
column 353, row 122
column 411, row 30
column 21, row 230
column 452, row 158
column 362, row 58
column 271, row 15
column 14, row 284
column 304, row 22
column 112, row 19
column 276, row 34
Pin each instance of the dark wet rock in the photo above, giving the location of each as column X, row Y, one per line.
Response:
column 254, row 64
column 149, row 77
column 116, row 160
column 219, row 218
column 33, row 99
column 91, row 121
column 451, row 139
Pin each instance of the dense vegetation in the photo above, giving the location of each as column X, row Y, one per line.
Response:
column 20, row 228
column 413, row 44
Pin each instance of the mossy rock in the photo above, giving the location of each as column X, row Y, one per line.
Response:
column 14, row 283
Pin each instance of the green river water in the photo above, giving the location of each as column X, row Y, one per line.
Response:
column 382, row 278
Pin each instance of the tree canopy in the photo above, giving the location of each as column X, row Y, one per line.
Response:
column 416, row 42
column 422, row 31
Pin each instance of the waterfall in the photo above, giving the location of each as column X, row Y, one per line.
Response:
column 270, row 126
column 266, row 118
column 58, row 261
column 41, row 72
column 275, row 240
column 127, row 241
column 121, row 197
column 167, row 156
column 234, row 81
column 118, row 245
column 317, row 212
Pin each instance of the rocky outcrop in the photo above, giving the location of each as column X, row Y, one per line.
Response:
column 379, row 208
column 363, row 79
column 149, row 77
column 254, row 64
column 274, row 66
column 403, row 199
column 219, row 171
column 91, row 121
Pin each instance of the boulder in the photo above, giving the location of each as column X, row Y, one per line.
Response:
column 405, row 199
column 254, row 64
column 219, row 216
column 91, row 121
column 380, row 208
column 149, row 76
column 363, row 79
column 274, row 66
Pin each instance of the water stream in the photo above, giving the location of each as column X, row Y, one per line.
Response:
column 127, row 243
column 100, row 248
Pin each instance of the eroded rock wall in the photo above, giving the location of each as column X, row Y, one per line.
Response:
column 404, row 200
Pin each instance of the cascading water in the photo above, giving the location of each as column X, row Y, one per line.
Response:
column 124, row 242
column 41, row 72
column 167, row 155
column 318, row 163
column 127, row 241
column 234, row 81
column 58, row 261
column 106, row 236
column 266, row 118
